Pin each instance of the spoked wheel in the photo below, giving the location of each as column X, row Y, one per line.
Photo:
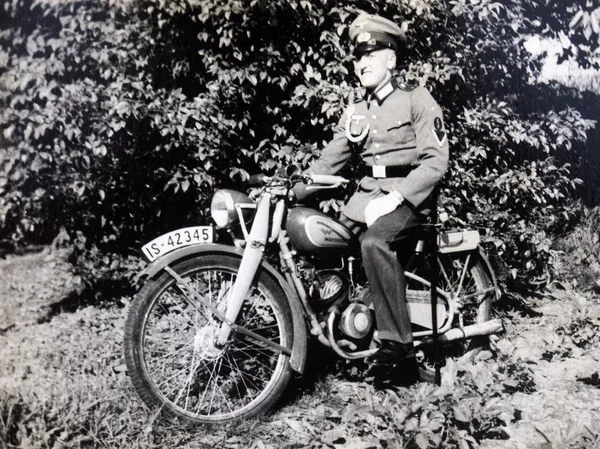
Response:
column 466, row 277
column 170, row 344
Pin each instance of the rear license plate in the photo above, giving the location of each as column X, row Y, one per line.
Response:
column 177, row 239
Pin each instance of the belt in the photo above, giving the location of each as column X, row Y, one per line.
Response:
column 388, row 171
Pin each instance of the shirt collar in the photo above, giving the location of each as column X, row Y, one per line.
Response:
column 385, row 90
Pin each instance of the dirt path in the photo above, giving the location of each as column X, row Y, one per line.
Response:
column 63, row 382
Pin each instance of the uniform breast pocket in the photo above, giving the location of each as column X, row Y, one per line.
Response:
column 401, row 131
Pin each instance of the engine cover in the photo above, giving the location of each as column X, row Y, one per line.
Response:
column 356, row 320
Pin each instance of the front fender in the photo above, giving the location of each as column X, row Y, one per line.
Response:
column 299, row 350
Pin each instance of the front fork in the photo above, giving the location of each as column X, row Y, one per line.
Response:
column 256, row 242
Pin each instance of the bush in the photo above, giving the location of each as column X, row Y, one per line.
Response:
column 576, row 253
column 120, row 118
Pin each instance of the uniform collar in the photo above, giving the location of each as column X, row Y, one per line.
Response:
column 384, row 91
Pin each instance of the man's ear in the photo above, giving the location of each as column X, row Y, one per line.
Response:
column 391, row 63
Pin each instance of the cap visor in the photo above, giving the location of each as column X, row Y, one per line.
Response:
column 367, row 48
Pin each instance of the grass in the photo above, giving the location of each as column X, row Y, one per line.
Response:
column 63, row 384
column 63, row 381
column 64, row 387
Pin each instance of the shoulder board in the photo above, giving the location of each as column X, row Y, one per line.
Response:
column 408, row 85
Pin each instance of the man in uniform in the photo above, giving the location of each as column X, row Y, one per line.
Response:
column 399, row 133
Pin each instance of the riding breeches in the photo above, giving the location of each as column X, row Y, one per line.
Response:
column 384, row 248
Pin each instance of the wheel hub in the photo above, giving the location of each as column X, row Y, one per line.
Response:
column 204, row 342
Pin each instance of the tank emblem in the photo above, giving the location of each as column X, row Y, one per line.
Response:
column 326, row 233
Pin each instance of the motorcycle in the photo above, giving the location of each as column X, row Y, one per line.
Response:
column 218, row 330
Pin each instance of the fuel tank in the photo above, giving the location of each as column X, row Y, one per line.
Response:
column 312, row 231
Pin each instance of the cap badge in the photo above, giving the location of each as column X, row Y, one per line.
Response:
column 365, row 36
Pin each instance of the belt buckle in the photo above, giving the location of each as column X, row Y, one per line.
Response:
column 378, row 171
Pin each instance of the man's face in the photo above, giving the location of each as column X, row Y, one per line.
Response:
column 372, row 67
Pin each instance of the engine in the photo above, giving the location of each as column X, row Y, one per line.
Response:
column 333, row 292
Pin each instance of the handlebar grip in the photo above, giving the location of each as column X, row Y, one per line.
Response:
column 328, row 179
column 258, row 180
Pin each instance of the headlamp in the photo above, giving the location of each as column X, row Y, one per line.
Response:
column 223, row 210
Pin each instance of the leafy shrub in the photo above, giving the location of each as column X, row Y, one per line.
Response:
column 577, row 253
column 120, row 118
column 578, row 329
column 468, row 407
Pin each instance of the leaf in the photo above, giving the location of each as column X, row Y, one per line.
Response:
column 462, row 413
column 422, row 441
column 484, row 355
column 122, row 368
column 334, row 434
column 576, row 19
column 295, row 425
column 449, row 373
column 463, row 444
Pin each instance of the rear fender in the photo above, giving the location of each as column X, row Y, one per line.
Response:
column 299, row 350
column 488, row 265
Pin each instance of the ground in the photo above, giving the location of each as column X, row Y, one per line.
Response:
column 63, row 381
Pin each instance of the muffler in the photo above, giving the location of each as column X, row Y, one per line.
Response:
column 475, row 330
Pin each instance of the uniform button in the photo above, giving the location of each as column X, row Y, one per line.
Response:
column 374, row 131
column 377, row 157
column 377, row 145
column 373, row 116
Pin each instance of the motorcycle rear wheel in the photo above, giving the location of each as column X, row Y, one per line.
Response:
column 170, row 351
column 464, row 275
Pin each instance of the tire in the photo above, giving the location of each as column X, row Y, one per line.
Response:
column 476, row 277
column 170, row 351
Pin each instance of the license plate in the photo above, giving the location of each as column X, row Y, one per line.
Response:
column 177, row 239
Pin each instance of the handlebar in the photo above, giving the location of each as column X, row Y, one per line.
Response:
column 326, row 181
column 291, row 177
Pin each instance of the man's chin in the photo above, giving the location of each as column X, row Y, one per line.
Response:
column 368, row 83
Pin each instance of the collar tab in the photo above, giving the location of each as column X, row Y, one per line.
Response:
column 384, row 91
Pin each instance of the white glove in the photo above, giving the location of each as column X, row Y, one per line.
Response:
column 381, row 206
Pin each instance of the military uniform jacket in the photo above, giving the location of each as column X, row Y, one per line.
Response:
column 400, row 126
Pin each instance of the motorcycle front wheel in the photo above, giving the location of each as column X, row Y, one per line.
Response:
column 170, row 346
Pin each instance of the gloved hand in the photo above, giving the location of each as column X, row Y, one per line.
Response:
column 381, row 206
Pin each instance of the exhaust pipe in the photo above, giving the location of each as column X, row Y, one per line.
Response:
column 475, row 330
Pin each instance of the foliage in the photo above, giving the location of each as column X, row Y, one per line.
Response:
column 120, row 118
column 580, row 79
column 577, row 254
column 576, row 24
column 581, row 329
column 468, row 407
column 578, row 328
column 576, row 436
column 64, row 384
